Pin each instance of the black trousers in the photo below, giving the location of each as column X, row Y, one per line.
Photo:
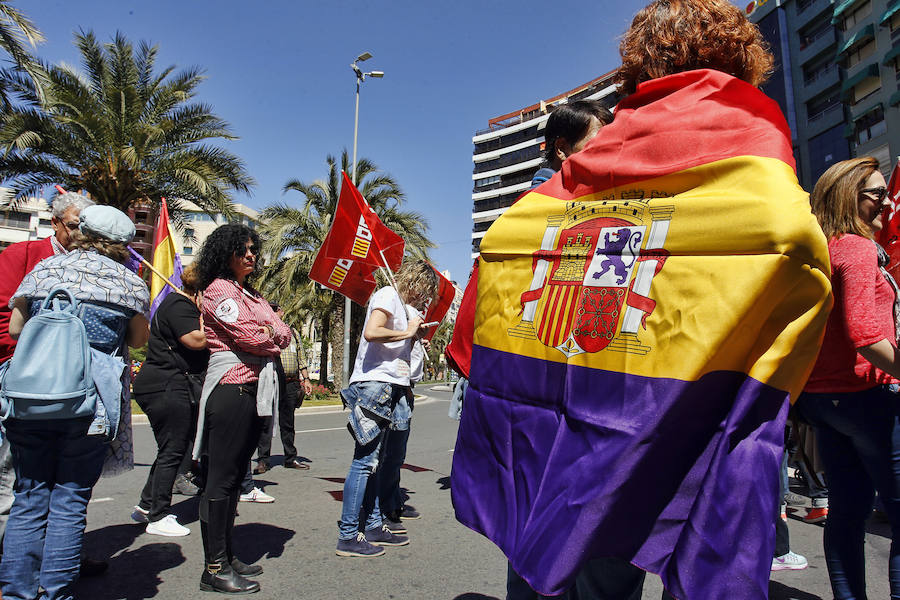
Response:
column 287, row 401
column 174, row 422
column 231, row 431
column 599, row 579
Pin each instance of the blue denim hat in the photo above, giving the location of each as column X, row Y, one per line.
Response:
column 107, row 222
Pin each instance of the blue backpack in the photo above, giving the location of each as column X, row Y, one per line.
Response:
column 49, row 374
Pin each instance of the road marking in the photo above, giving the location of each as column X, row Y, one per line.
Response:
column 318, row 430
column 97, row 500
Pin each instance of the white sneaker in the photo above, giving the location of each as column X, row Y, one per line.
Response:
column 789, row 562
column 139, row 515
column 168, row 526
column 257, row 495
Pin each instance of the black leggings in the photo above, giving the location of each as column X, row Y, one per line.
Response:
column 231, row 430
column 173, row 421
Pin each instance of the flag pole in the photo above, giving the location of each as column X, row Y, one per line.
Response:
column 157, row 273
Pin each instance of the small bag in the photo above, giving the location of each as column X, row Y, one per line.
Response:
column 49, row 375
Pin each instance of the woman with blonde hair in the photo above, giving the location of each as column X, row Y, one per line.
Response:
column 848, row 398
column 380, row 379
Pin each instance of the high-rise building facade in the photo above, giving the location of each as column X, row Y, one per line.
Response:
column 508, row 152
column 835, row 79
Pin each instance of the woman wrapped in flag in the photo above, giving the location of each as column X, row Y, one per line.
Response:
column 642, row 321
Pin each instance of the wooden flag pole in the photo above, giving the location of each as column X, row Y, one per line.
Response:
column 158, row 274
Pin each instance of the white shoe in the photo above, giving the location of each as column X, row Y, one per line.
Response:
column 168, row 526
column 789, row 562
column 139, row 515
column 257, row 495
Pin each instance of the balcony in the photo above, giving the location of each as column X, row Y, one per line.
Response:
column 819, row 82
column 825, row 120
column 812, row 47
column 811, row 11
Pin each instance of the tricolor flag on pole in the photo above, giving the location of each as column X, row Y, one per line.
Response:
column 889, row 236
column 357, row 244
column 165, row 259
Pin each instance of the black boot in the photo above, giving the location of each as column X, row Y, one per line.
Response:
column 239, row 566
column 218, row 575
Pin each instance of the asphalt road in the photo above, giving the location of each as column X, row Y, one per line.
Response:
column 294, row 538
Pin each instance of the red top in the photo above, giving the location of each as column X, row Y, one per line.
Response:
column 15, row 263
column 863, row 314
column 232, row 317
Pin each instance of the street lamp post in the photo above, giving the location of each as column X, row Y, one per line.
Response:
column 360, row 77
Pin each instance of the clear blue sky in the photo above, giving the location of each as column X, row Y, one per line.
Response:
column 278, row 71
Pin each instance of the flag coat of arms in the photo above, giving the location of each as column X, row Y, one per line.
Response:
column 642, row 321
column 357, row 243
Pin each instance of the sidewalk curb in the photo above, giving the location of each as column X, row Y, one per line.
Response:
column 312, row 410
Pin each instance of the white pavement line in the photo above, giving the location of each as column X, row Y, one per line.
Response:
column 98, row 500
column 318, row 430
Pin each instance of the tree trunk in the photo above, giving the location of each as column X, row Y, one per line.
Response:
column 323, row 351
column 336, row 316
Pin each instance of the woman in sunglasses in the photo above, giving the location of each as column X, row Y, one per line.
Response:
column 848, row 398
column 243, row 336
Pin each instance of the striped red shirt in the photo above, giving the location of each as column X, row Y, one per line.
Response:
column 233, row 319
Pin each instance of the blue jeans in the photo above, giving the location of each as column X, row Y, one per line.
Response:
column 859, row 442
column 361, row 489
column 56, row 469
column 7, row 481
column 389, row 496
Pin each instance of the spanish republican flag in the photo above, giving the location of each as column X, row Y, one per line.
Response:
column 642, row 321
column 165, row 259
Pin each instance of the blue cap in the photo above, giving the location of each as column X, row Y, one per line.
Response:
column 106, row 222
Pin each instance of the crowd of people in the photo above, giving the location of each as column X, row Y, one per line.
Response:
column 222, row 362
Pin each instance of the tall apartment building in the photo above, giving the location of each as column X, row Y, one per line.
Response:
column 29, row 221
column 198, row 226
column 837, row 67
column 508, row 152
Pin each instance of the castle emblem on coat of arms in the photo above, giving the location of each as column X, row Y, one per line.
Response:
column 592, row 276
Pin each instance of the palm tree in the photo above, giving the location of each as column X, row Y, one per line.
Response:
column 16, row 32
column 294, row 235
column 121, row 131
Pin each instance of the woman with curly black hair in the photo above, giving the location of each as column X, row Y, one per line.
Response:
column 243, row 335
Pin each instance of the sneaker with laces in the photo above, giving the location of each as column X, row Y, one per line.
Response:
column 794, row 499
column 816, row 515
column 789, row 562
column 408, row 513
column 168, row 526
column 384, row 537
column 139, row 515
column 358, row 547
column 395, row 526
column 257, row 495
column 184, row 486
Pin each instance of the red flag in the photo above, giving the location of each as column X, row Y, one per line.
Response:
column 889, row 236
column 446, row 292
column 357, row 243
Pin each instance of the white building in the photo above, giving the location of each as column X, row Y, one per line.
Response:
column 198, row 226
column 30, row 220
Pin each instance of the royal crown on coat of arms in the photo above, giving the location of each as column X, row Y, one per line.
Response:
column 592, row 275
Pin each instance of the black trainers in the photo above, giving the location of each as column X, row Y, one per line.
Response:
column 395, row 526
column 408, row 513
column 384, row 537
column 358, row 547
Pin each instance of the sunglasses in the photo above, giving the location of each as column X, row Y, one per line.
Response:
column 254, row 250
column 878, row 193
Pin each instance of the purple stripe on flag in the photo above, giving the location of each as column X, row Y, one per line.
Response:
column 175, row 278
column 559, row 464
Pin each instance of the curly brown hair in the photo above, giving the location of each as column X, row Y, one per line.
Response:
column 672, row 36
column 114, row 250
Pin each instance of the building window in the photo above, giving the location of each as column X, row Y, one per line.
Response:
column 140, row 217
column 860, row 53
column 140, row 235
column 15, row 219
column 487, row 181
column 818, row 70
column 45, row 222
column 188, row 250
column 189, row 233
column 866, row 88
column 853, row 18
column 870, row 126
column 815, row 31
column 823, row 105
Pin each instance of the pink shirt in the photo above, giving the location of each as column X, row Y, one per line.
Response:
column 863, row 314
column 232, row 317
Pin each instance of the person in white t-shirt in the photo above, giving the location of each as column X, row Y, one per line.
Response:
column 381, row 377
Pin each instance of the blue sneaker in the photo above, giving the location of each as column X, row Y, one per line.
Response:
column 358, row 547
column 384, row 537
